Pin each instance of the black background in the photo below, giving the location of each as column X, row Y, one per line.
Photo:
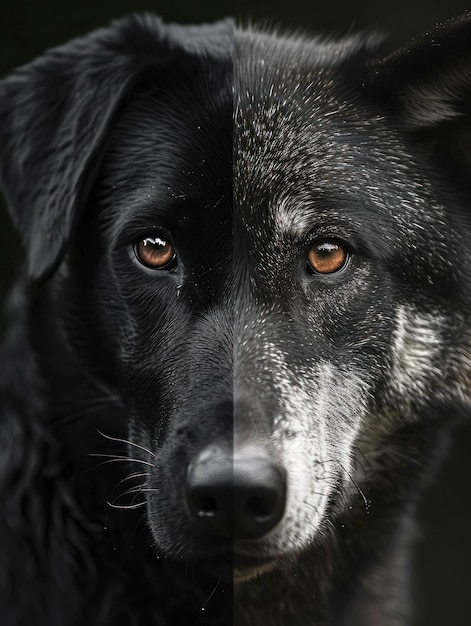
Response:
column 442, row 575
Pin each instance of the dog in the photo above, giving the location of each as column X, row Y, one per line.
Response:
column 242, row 315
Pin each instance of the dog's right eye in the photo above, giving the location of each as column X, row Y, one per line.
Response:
column 155, row 252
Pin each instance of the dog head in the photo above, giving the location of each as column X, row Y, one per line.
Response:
column 276, row 285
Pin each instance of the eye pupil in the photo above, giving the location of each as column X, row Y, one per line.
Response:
column 155, row 252
column 327, row 256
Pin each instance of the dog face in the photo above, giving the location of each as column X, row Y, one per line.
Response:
column 342, row 322
column 173, row 354
column 250, row 239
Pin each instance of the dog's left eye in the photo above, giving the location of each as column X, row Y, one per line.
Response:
column 156, row 252
column 327, row 256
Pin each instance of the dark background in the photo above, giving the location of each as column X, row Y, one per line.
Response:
column 442, row 577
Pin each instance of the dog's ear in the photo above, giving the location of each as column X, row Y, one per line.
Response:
column 55, row 116
column 428, row 87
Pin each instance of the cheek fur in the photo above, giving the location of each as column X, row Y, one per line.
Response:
column 319, row 413
column 416, row 354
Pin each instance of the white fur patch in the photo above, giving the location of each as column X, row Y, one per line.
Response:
column 416, row 349
column 314, row 432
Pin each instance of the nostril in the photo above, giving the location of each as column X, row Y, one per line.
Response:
column 261, row 508
column 205, row 505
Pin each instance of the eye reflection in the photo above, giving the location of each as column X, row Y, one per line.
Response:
column 155, row 252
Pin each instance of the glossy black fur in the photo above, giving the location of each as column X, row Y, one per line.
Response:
column 66, row 557
column 242, row 147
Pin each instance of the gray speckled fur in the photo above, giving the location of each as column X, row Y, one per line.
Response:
column 321, row 151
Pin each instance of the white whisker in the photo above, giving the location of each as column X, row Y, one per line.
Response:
column 126, row 506
column 116, row 457
column 127, row 442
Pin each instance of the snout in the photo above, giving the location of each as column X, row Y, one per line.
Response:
column 236, row 494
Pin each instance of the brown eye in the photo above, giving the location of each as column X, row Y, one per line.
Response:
column 155, row 252
column 327, row 256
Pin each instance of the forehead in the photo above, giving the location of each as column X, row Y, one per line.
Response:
column 307, row 142
column 278, row 135
column 295, row 111
column 183, row 116
column 170, row 150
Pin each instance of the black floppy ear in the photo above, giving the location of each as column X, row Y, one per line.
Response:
column 55, row 113
column 55, row 116
column 428, row 87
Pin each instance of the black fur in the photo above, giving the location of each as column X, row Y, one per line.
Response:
column 66, row 558
column 324, row 397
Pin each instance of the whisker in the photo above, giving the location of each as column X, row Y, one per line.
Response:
column 127, row 442
column 211, row 594
column 129, row 477
column 117, row 457
column 357, row 487
column 136, row 489
column 126, row 506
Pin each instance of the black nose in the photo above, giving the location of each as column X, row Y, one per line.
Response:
column 240, row 496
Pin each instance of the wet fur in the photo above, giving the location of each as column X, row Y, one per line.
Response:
column 351, row 382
